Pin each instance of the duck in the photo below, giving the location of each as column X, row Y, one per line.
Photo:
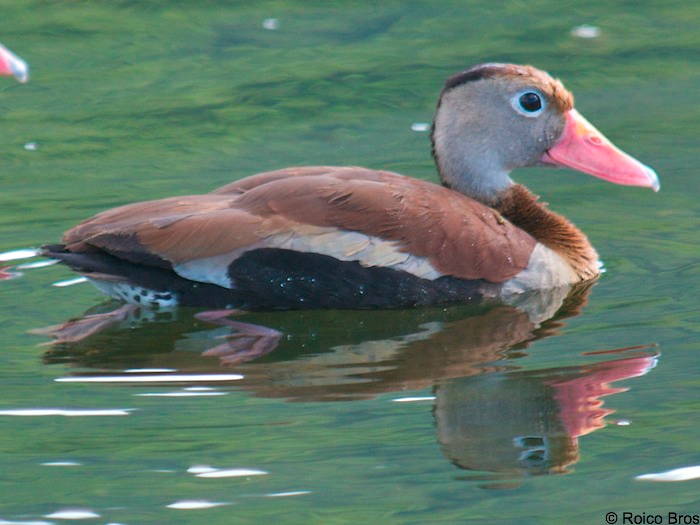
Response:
column 314, row 237
column 13, row 66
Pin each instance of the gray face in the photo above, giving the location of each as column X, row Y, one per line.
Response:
column 483, row 131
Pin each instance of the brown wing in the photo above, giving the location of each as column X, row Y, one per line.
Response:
column 313, row 209
column 339, row 172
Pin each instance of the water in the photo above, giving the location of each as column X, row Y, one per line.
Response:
column 434, row 415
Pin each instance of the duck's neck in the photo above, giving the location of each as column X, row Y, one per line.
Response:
column 473, row 168
column 521, row 207
column 483, row 189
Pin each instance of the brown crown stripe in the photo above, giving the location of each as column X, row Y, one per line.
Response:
column 551, row 87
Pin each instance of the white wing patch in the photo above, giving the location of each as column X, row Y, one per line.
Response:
column 343, row 245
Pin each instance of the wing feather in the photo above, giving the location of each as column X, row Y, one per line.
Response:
column 381, row 218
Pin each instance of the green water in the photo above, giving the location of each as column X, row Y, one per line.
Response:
column 135, row 100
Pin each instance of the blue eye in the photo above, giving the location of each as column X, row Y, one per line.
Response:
column 530, row 102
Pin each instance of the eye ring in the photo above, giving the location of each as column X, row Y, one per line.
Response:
column 529, row 102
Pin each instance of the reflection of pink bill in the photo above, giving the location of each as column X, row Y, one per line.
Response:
column 12, row 65
column 582, row 411
column 5, row 274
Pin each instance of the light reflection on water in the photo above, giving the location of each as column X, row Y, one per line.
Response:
column 196, row 504
column 149, row 378
column 73, row 514
column 179, row 394
column 677, row 474
column 77, row 412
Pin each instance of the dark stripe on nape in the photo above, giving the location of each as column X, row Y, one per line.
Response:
column 474, row 73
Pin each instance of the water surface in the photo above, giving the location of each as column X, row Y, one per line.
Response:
column 432, row 415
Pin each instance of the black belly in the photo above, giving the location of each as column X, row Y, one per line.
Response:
column 277, row 279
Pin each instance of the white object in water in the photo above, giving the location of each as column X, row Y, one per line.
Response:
column 585, row 31
column 271, row 24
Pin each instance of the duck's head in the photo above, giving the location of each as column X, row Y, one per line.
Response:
column 12, row 65
column 493, row 118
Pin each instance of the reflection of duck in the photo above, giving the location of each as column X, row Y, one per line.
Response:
column 489, row 416
column 516, row 423
column 330, row 237
column 12, row 65
column 412, row 348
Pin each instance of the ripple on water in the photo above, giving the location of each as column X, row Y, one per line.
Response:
column 73, row 514
column 413, row 399
column 28, row 412
column 5, row 522
column 678, row 474
column 23, row 253
column 271, row 24
column 199, row 469
column 157, row 378
column 37, row 264
column 181, row 394
column 586, row 31
column 420, row 126
column 195, row 504
column 149, row 370
column 69, row 282
column 231, row 473
column 6, row 274
column 287, row 494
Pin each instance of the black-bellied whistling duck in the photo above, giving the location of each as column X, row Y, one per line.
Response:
column 12, row 65
column 350, row 237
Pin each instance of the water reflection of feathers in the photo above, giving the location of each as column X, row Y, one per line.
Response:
column 489, row 415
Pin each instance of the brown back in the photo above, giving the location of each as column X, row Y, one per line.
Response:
column 458, row 235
